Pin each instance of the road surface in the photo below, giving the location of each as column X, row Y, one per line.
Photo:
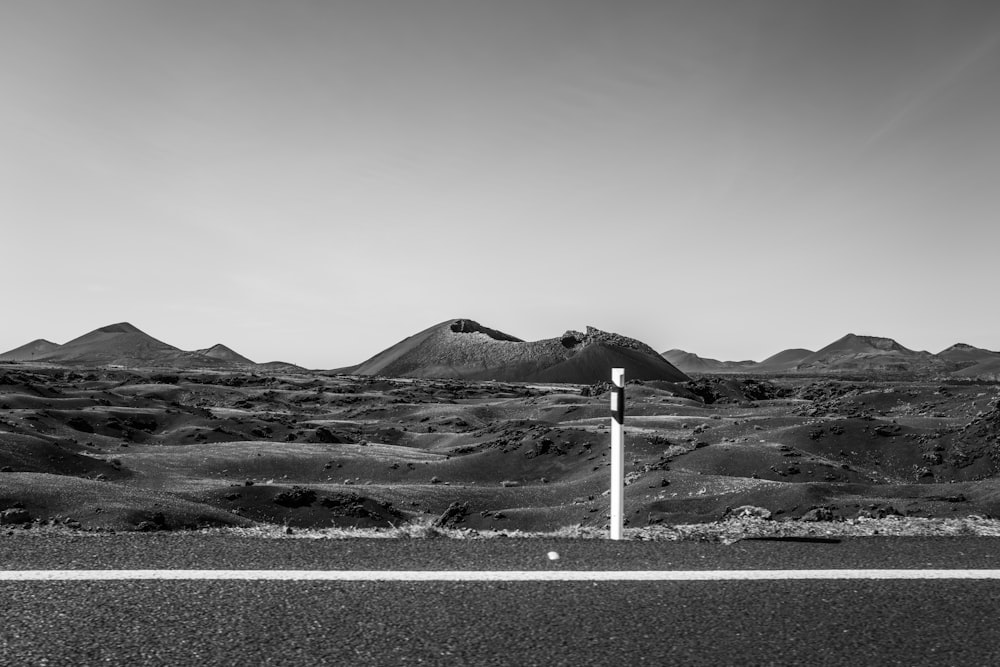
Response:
column 237, row 622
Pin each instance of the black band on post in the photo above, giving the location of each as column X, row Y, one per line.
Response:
column 618, row 404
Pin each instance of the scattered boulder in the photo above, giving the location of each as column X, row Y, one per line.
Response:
column 818, row 514
column 878, row 512
column 542, row 447
column 15, row 516
column 357, row 506
column 596, row 389
column 453, row 515
column 748, row 511
column 297, row 496
column 157, row 522
column 932, row 458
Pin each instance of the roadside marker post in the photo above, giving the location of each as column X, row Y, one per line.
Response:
column 617, row 452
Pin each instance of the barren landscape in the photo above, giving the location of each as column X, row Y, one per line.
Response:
column 94, row 448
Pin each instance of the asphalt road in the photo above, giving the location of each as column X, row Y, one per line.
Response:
column 496, row 623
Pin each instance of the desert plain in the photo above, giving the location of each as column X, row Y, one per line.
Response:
column 132, row 449
column 117, row 431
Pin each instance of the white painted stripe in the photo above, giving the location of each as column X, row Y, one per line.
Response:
column 494, row 575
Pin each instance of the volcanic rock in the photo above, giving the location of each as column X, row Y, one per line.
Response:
column 455, row 513
column 14, row 516
column 464, row 349
column 297, row 496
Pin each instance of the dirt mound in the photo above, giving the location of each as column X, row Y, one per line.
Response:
column 467, row 350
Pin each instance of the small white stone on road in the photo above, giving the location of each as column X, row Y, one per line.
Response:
column 553, row 555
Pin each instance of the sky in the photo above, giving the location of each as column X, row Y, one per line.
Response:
column 313, row 181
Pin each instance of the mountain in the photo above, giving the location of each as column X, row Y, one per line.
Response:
column 223, row 353
column 967, row 355
column 855, row 354
column 29, row 351
column 865, row 354
column 689, row 362
column 972, row 362
column 465, row 349
column 782, row 362
column 123, row 344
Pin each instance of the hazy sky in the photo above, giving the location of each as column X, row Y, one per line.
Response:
column 314, row 181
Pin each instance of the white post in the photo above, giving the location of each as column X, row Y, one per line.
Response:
column 617, row 451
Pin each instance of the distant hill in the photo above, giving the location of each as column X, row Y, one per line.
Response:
column 29, row 351
column 850, row 354
column 855, row 354
column 690, row 362
column 868, row 354
column 118, row 344
column 223, row 353
column 972, row 362
column 967, row 355
column 123, row 344
column 465, row 349
column 782, row 362
column 279, row 367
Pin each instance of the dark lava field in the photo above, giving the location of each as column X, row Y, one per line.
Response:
column 110, row 449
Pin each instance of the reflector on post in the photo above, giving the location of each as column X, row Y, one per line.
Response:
column 617, row 452
column 618, row 404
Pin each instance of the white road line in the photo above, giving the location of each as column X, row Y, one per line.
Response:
column 494, row 575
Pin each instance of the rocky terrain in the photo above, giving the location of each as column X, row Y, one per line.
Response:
column 164, row 449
